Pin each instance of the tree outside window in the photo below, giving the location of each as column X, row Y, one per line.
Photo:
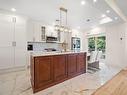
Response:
column 101, row 43
column 97, row 43
column 91, row 44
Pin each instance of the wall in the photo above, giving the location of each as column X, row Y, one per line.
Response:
column 125, row 43
column 116, row 49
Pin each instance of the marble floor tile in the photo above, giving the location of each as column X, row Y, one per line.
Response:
column 18, row 83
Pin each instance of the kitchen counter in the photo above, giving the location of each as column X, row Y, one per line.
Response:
column 40, row 53
column 50, row 68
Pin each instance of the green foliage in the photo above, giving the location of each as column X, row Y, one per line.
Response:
column 91, row 44
column 101, row 43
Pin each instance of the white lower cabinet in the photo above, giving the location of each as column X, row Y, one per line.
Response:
column 6, row 57
column 13, row 46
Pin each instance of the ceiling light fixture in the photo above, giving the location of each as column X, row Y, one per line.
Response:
column 83, row 2
column 108, row 11
column 103, row 15
column 94, row 0
column 13, row 9
column 60, row 26
column 105, row 20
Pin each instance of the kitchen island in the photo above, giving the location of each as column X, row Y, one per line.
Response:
column 48, row 69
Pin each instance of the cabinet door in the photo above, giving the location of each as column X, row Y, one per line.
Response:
column 60, row 67
column 6, row 39
column 51, row 32
column 81, row 62
column 43, row 71
column 62, row 37
column 21, row 44
column 72, row 64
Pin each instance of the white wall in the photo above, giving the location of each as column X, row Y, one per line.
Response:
column 125, row 43
column 116, row 49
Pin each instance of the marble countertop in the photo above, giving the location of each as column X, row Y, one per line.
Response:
column 39, row 53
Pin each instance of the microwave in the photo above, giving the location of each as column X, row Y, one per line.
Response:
column 50, row 39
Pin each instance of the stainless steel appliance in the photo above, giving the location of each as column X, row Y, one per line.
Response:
column 30, row 47
column 75, row 43
column 50, row 39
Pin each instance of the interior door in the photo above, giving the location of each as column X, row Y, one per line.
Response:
column 6, row 39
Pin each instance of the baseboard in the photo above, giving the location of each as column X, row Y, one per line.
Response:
column 14, row 69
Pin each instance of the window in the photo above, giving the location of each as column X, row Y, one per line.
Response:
column 96, row 43
column 91, row 44
column 101, row 43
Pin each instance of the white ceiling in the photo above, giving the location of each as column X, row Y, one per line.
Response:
column 48, row 11
column 122, row 4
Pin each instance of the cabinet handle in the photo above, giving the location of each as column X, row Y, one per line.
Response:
column 14, row 44
column 14, row 19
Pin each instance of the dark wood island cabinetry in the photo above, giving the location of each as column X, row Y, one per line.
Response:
column 49, row 70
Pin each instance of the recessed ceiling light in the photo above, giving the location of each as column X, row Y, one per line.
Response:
column 105, row 20
column 103, row 15
column 83, row 2
column 13, row 9
column 94, row 0
column 116, row 18
column 108, row 11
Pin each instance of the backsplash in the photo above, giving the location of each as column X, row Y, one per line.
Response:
column 40, row 46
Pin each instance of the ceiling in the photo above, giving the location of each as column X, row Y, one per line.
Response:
column 47, row 11
column 122, row 4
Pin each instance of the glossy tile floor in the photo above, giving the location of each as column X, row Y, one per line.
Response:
column 18, row 83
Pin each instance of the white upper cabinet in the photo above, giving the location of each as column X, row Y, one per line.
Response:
column 62, row 37
column 65, row 37
column 30, row 31
column 34, row 31
column 6, row 30
column 37, row 33
column 51, row 32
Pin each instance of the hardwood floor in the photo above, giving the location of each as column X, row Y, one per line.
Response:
column 116, row 86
